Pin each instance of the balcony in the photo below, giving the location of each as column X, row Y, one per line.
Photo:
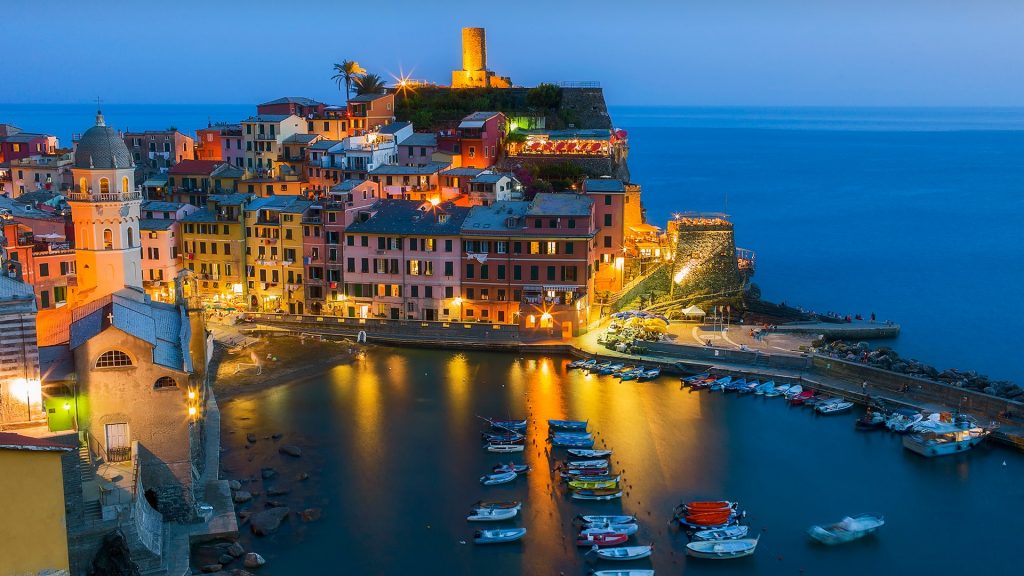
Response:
column 77, row 195
column 265, row 136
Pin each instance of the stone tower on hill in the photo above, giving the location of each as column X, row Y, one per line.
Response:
column 474, row 73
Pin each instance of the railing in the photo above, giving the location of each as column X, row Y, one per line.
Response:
column 579, row 84
column 78, row 196
column 265, row 136
column 95, row 446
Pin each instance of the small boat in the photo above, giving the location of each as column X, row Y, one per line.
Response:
column 504, row 448
column 794, row 391
column 943, row 438
column 572, row 442
column 903, row 419
column 597, row 494
column 702, row 385
column 749, row 387
column 706, row 506
column 603, row 539
column 583, row 364
column 649, row 374
column 847, row 529
column 623, row 553
column 598, row 519
column 623, row 573
column 834, row 407
column 720, row 383
column 510, row 437
column 517, row 425
column 517, row 468
column 631, row 375
column 492, row 514
column 730, row 533
column 764, row 388
column 581, row 484
column 584, row 453
column 584, row 473
column 734, row 385
column 780, row 390
column 611, row 369
column 628, row 369
column 628, row 528
column 498, row 536
column 722, row 549
column 599, row 367
column 570, row 435
column 688, row 380
column 817, row 399
column 502, row 478
column 578, row 464
column 497, row 504
column 709, row 518
column 800, row 398
column 773, row 391
column 568, row 424
column 871, row 420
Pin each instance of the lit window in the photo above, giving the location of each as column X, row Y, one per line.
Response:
column 165, row 382
column 113, row 359
column 104, row 186
column 124, row 185
column 108, row 239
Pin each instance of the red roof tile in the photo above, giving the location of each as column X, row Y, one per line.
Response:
column 12, row 441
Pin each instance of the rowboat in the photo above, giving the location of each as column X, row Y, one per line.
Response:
column 604, row 539
column 623, row 553
column 649, row 374
column 871, row 420
column 517, row 425
column 583, row 364
column 628, row 369
column 902, row 419
column 734, row 385
column 631, row 375
column 517, row 468
column 511, row 437
column 584, row 453
column 628, row 528
column 498, row 536
column 504, row 448
column 730, row 533
column 502, row 478
column 568, row 424
column 749, row 387
column 780, row 390
column 599, row 367
column 691, row 380
column 800, row 398
column 720, row 383
column 722, row 549
column 834, row 407
column 584, row 472
column 764, row 388
column 599, row 519
column 708, row 518
column 593, row 484
column 794, row 391
column 570, row 435
column 497, row 504
column 847, row 529
column 572, row 442
column 597, row 494
column 623, row 573
column 577, row 464
column 610, row 369
column 492, row 515
column 707, row 506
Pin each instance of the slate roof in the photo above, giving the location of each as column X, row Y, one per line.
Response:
column 394, row 169
column 463, row 172
column 227, row 171
column 393, row 128
column 12, row 441
column 14, row 290
column 301, row 138
column 564, row 204
column 102, row 148
column 603, row 185
column 161, row 206
column 420, row 139
column 201, row 215
column 156, row 224
column 409, row 217
column 233, row 199
column 267, row 118
column 366, row 97
column 325, row 144
column 302, row 100
column 490, row 178
column 56, row 363
column 194, row 167
column 495, row 217
column 347, row 185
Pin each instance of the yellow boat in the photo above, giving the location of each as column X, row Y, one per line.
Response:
column 594, row 484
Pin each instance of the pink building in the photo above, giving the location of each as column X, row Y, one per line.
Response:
column 15, row 144
column 159, row 232
column 609, row 196
column 402, row 261
column 477, row 141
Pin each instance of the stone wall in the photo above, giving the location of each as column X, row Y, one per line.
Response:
column 713, row 355
column 657, row 280
column 707, row 254
column 592, row 167
column 588, row 106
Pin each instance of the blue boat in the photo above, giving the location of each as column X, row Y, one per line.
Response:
column 734, row 385
column 572, row 442
column 517, row 425
column 649, row 374
column 720, row 383
column 568, row 424
column 749, row 387
column 612, row 368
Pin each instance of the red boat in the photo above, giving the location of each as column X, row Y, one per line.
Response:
column 709, row 518
column 802, row 397
column 608, row 539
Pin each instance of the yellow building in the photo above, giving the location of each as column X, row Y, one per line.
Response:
column 274, row 259
column 34, row 536
column 213, row 246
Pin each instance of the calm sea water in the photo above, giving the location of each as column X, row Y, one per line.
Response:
column 393, row 451
column 909, row 213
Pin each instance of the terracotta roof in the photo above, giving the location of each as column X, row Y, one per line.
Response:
column 12, row 441
column 194, row 167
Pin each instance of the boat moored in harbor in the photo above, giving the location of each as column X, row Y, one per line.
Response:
column 722, row 549
column 847, row 529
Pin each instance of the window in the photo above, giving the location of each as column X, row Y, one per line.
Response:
column 568, row 247
column 124, row 185
column 472, row 151
column 104, row 186
column 469, row 271
column 607, row 241
column 113, row 359
column 552, row 248
column 607, row 199
column 83, row 186
column 44, row 269
column 607, row 219
column 164, row 382
column 108, row 239
column 534, row 273
column 447, row 245
column 551, row 272
column 449, row 269
column 572, row 222
column 131, row 237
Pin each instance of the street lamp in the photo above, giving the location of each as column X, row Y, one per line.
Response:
column 458, row 302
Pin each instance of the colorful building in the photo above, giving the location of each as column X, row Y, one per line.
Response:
column 402, row 261
column 368, row 112
column 221, row 141
column 213, row 247
column 288, row 105
column 273, row 259
column 615, row 211
column 191, row 181
column 16, row 144
column 332, row 123
column 264, row 136
column 417, row 149
column 155, row 151
column 50, row 172
column 32, row 485
column 477, row 141
column 160, row 236
column 47, row 262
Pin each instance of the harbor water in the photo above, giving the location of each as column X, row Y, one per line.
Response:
column 392, row 447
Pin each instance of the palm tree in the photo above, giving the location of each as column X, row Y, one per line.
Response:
column 370, row 84
column 345, row 73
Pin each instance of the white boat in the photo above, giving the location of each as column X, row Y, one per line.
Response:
column 627, row 529
column 847, row 529
column 622, row 553
column 779, row 390
column 498, row 536
column 594, row 519
column 500, row 478
column 722, row 549
column 585, row 453
column 794, row 391
column 623, row 573
column 729, row 533
column 834, row 407
column 505, row 448
column 943, row 438
column 764, row 388
column 492, row 514
column 903, row 419
column 583, row 464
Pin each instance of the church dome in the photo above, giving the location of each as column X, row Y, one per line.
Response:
column 102, row 148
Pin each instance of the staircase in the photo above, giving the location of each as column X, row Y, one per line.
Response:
column 91, row 509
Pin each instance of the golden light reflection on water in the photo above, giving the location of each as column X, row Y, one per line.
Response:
column 357, row 396
column 458, row 385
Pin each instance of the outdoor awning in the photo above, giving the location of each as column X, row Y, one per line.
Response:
column 645, row 229
column 693, row 311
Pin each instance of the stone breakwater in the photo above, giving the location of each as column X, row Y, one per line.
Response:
column 887, row 359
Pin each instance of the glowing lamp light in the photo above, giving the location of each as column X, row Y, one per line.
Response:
column 457, row 301
column 67, row 406
column 27, row 388
column 683, row 273
column 191, row 410
column 191, row 394
column 620, row 262
column 545, row 316
column 435, row 201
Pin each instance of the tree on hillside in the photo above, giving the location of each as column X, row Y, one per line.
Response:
column 347, row 72
column 369, row 84
column 544, row 96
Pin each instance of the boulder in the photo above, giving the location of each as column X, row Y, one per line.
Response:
column 267, row 473
column 277, row 435
column 275, row 504
column 290, row 450
column 234, row 484
column 253, row 560
column 225, row 559
column 250, row 438
column 236, row 550
column 241, row 496
column 310, row 514
column 267, row 522
column 210, row 568
column 279, row 491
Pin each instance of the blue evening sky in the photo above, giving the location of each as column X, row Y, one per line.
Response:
column 687, row 52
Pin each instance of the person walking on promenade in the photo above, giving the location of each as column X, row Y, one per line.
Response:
column 864, row 388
